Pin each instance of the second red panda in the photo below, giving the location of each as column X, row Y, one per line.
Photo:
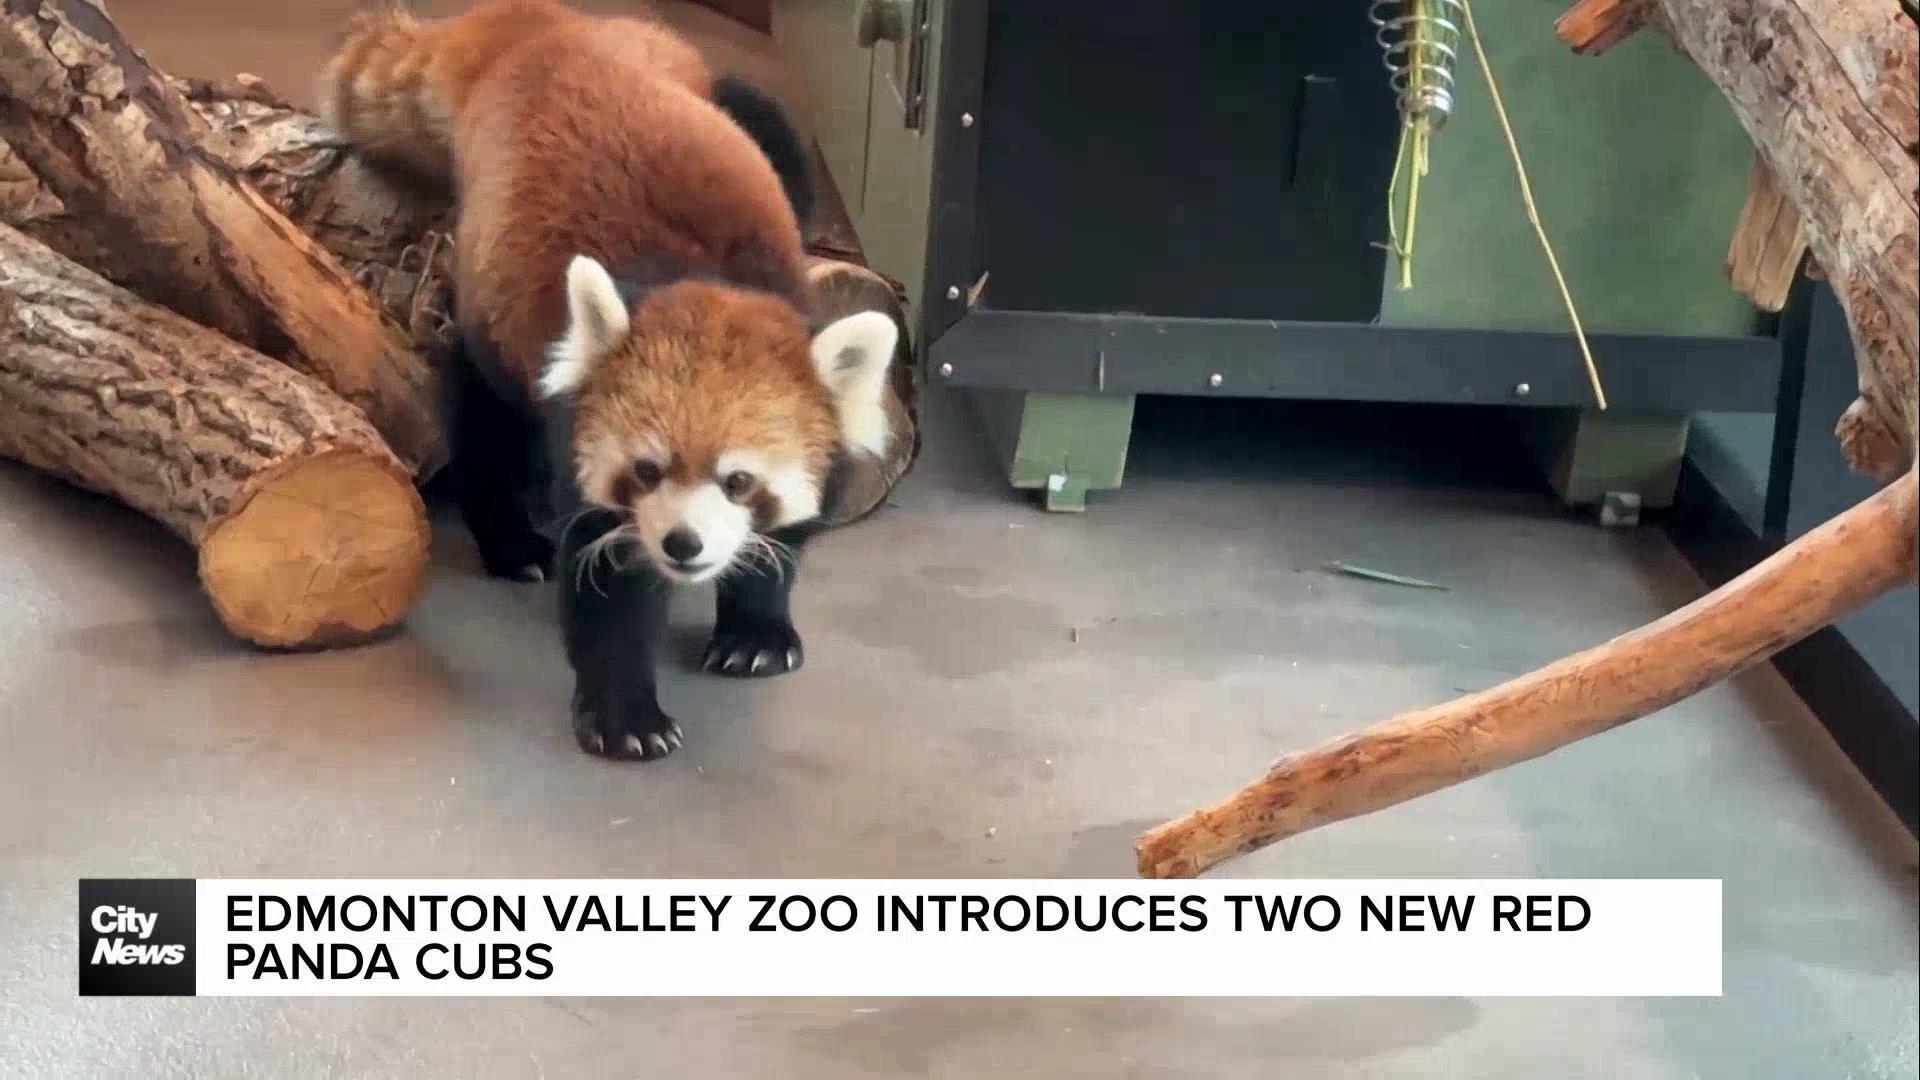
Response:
column 631, row 301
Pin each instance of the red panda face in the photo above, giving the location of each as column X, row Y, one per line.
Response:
column 708, row 416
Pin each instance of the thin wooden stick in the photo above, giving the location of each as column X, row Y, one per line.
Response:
column 1836, row 568
column 1533, row 211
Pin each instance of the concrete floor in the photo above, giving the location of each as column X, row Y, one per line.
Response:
column 945, row 696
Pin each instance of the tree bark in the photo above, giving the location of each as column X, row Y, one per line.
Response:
column 394, row 235
column 309, row 530
column 1830, row 92
column 1827, row 90
column 136, row 194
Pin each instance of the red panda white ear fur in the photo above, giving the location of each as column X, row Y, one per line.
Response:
column 852, row 356
column 596, row 322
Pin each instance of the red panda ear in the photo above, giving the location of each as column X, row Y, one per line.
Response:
column 596, row 322
column 852, row 356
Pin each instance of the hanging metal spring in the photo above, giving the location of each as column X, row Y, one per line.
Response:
column 1419, row 40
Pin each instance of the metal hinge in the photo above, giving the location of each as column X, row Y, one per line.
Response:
column 913, row 102
column 908, row 23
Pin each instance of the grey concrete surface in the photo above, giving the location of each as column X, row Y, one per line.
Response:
column 946, row 695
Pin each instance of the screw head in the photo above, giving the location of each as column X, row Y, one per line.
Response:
column 1522, row 389
column 966, row 119
column 946, row 371
column 1214, row 380
column 953, row 292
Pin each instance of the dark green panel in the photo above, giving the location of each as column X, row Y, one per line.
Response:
column 1639, row 168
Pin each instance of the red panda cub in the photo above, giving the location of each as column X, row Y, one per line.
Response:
column 629, row 291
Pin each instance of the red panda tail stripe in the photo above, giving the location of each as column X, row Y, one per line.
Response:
column 376, row 92
column 396, row 83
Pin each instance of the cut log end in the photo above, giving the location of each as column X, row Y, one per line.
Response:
column 1591, row 27
column 324, row 551
column 309, row 529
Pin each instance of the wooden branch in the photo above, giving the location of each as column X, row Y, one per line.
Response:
column 1591, row 27
column 1827, row 90
column 1832, row 570
column 142, row 201
column 309, row 530
column 1769, row 242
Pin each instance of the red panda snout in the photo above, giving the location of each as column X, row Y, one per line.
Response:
column 696, row 524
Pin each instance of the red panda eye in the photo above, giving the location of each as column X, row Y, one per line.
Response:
column 647, row 473
column 737, row 484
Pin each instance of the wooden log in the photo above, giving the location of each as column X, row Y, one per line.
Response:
column 309, row 530
column 394, row 240
column 394, row 237
column 141, row 200
column 1827, row 90
column 1769, row 242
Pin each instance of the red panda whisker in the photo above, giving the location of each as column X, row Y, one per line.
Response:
column 766, row 551
column 606, row 545
column 566, row 527
column 744, row 561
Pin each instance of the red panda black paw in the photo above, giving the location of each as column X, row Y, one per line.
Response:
column 640, row 731
column 754, row 650
column 526, row 557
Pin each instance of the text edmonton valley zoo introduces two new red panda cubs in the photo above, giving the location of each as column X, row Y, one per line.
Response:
column 629, row 289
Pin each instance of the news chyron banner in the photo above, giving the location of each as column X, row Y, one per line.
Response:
column 795, row 938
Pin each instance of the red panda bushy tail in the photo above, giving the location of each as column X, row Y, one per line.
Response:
column 396, row 82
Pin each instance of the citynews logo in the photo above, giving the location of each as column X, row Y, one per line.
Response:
column 136, row 937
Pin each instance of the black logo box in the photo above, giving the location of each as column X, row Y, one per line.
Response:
column 106, row 902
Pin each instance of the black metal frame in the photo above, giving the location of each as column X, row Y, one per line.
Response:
column 950, row 268
column 1127, row 354
column 971, row 344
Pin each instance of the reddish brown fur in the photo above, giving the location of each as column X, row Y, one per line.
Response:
column 582, row 135
column 569, row 145
column 396, row 82
column 712, row 368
